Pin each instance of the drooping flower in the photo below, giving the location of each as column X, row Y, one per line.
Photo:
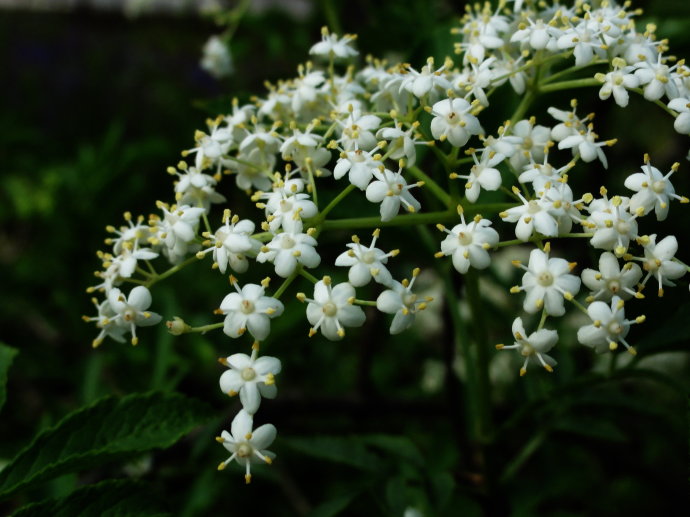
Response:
column 247, row 447
column 534, row 347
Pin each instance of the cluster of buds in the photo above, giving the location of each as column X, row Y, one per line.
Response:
column 376, row 131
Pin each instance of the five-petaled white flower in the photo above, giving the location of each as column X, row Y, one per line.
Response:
column 287, row 250
column 469, row 243
column 658, row 261
column 402, row 302
column 652, row 190
column 132, row 311
column 332, row 309
column 534, row 347
column 612, row 280
column 391, row 190
column 608, row 328
column 249, row 309
column 546, row 282
column 366, row 262
column 251, row 378
column 453, row 121
column 247, row 447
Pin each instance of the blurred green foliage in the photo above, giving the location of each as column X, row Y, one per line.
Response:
column 95, row 107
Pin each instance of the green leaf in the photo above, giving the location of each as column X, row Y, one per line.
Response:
column 112, row 498
column 111, row 429
column 6, row 355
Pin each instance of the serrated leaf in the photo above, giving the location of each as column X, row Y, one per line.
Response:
column 112, row 498
column 110, row 429
column 346, row 450
column 6, row 356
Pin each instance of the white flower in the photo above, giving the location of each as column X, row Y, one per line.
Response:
column 332, row 309
column 584, row 144
column 540, row 174
column 469, row 243
column 401, row 143
column 612, row 223
column 249, row 309
column 653, row 190
column 365, row 262
column 286, row 206
column 609, row 326
column 232, row 243
column 534, row 140
column 546, row 282
column 657, row 79
column 286, row 250
column 402, row 302
column 584, row 39
column 391, row 190
column 196, row 188
column 534, row 347
column 105, row 321
column 537, row 34
column 611, row 280
column 483, row 174
column 247, row 447
column 251, row 378
column 427, row 80
column 682, row 122
column 618, row 82
column 132, row 311
column 331, row 46
column 356, row 132
column 360, row 166
column 177, row 229
column 530, row 216
column 658, row 261
column 216, row 59
column 453, row 121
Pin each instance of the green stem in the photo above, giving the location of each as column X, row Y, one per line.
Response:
column 522, row 107
column 417, row 218
column 572, row 70
column 337, row 199
column 171, row 271
column 307, row 275
column 286, row 283
column 367, row 303
column 567, row 85
column 539, row 238
column 205, row 328
column 434, row 187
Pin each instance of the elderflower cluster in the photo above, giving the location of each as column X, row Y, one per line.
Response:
column 394, row 135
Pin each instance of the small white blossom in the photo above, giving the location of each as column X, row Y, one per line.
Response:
column 612, row 280
column 546, row 282
column 618, row 82
column 131, row 312
column 453, row 121
column 469, row 243
column 332, row 309
column 530, row 216
column 249, row 309
column 366, row 262
column 534, row 347
column 682, row 122
column 391, row 190
column 402, row 302
column 609, row 326
column 232, row 243
column 286, row 250
column 658, row 261
column 331, row 46
column 250, row 377
column 216, row 58
column 613, row 225
column 483, row 174
column 652, row 190
column 247, row 447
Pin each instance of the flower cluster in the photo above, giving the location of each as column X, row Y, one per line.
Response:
column 375, row 131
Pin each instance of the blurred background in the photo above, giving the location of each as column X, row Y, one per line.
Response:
column 98, row 98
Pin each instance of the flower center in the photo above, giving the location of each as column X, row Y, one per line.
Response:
column 287, row 243
column 285, row 205
column 330, row 309
column 244, row 450
column 615, row 328
column 528, row 143
column 545, row 279
column 129, row 314
column 622, row 227
column 614, row 286
column 369, row 257
column 409, row 299
column 247, row 307
column 465, row 238
column 533, row 207
column 526, row 350
column 248, row 374
column 659, row 186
